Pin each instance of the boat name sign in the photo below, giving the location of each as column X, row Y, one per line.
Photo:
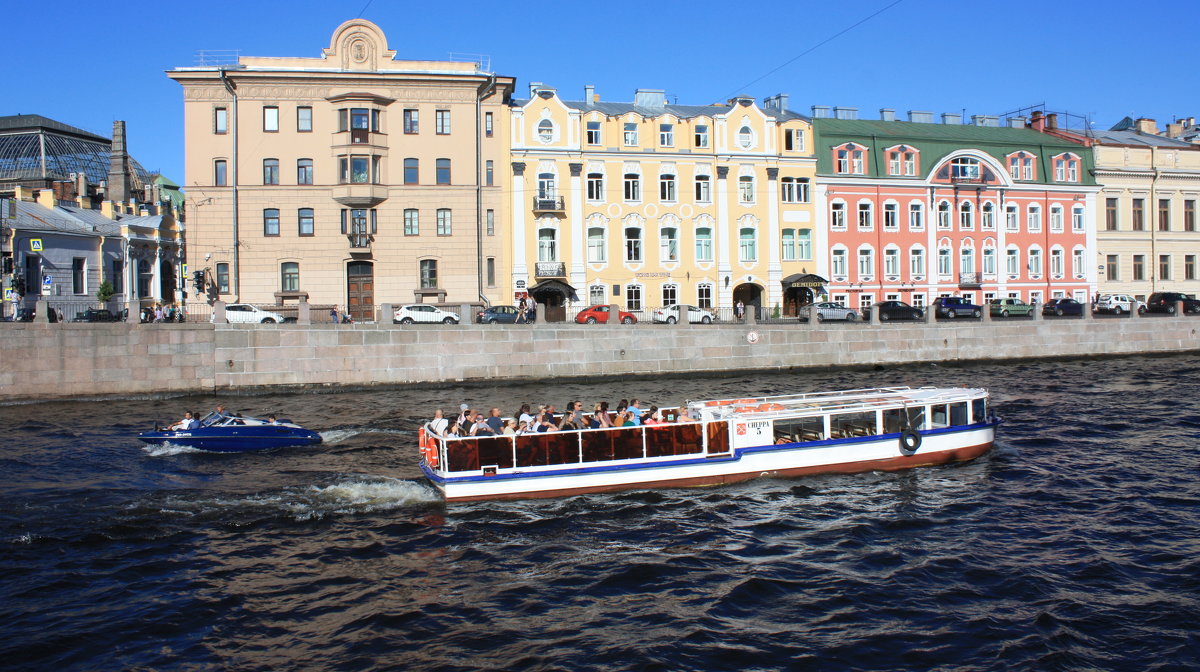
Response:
column 747, row 433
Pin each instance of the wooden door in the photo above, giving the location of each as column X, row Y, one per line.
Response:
column 360, row 291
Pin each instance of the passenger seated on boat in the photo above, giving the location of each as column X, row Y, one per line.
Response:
column 524, row 415
column 481, row 427
column 453, row 430
column 573, row 418
column 544, row 422
column 188, row 422
column 437, row 426
column 635, row 413
column 653, row 417
column 510, row 427
column 600, row 417
column 271, row 420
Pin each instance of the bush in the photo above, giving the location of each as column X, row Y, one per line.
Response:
column 105, row 292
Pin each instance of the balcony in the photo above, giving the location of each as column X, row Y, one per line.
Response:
column 970, row 280
column 360, row 242
column 360, row 195
column 548, row 204
column 550, row 269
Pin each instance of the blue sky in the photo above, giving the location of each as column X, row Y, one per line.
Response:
column 88, row 64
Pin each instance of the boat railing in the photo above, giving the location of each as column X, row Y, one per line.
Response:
column 837, row 402
column 569, row 447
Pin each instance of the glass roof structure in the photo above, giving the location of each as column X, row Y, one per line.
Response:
column 35, row 149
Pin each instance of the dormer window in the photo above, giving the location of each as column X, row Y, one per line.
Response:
column 1020, row 166
column 964, row 168
column 848, row 159
column 902, row 160
column 1066, row 168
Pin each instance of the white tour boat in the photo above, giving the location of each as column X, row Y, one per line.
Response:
column 722, row 441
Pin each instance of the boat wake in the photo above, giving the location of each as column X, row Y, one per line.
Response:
column 168, row 449
column 335, row 436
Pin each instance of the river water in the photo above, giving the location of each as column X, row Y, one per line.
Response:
column 1072, row 546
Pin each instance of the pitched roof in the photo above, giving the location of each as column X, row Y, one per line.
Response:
column 613, row 109
column 916, row 131
column 1138, row 139
column 34, row 121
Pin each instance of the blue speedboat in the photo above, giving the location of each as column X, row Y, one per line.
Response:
column 235, row 434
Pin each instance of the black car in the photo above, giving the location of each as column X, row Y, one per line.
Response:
column 955, row 306
column 1165, row 302
column 502, row 315
column 95, row 315
column 1062, row 307
column 898, row 310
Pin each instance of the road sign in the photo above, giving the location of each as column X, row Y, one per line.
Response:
column 35, row 244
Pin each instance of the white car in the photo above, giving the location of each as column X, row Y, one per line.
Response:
column 670, row 315
column 423, row 313
column 1119, row 304
column 244, row 313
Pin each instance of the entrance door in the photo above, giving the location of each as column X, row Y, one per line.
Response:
column 750, row 296
column 794, row 298
column 360, row 291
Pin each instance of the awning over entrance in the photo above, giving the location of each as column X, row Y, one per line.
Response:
column 553, row 285
column 809, row 280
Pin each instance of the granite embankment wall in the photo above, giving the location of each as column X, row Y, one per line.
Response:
column 39, row 361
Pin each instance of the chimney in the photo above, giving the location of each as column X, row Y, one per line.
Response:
column 984, row 120
column 81, row 184
column 951, row 118
column 650, row 99
column 1051, row 122
column 777, row 102
column 533, row 88
column 1016, row 122
column 118, row 166
column 920, row 117
column 1038, row 121
column 589, row 95
column 820, row 111
column 845, row 112
column 887, row 114
column 1147, row 126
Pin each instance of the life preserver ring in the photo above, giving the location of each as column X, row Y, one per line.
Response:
column 770, row 407
column 428, row 445
column 910, row 440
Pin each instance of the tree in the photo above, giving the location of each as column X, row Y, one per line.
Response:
column 105, row 292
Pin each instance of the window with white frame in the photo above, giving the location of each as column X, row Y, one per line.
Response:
column 794, row 190
column 597, row 245
column 746, row 189
column 804, row 244
column 704, row 244
column 1034, row 217
column 670, row 294
column 595, row 186
column 916, row 216
column 966, row 260
column 747, row 245
column 593, row 133
column 891, row 261
column 1035, row 262
column 631, row 134
column 945, row 262
column 1056, row 218
column 668, row 244
column 1056, row 263
column 837, row 215
column 704, row 294
column 1012, row 220
column 597, row 295
column 703, row 189
column 1077, row 218
column 666, row 188
column 547, row 244
column 545, row 130
column 666, row 135
column 943, row 215
column 966, row 216
column 866, row 215
column 633, row 187
column 987, row 217
column 787, row 251
column 1077, row 261
column 633, row 244
column 866, row 263
column 989, row 261
column 891, row 216
column 916, row 262
column 745, row 137
column 838, row 263
column 793, row 140
column 1012, row 262
column 964, row 168
column 633, row 297
column 701, row 136
column 849, row 160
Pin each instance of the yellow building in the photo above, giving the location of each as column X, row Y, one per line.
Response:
column 1148, row 240
column 352, row 179
column 646, row 204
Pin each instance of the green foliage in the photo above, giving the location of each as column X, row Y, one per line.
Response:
column 775, row 312
column 105, row 292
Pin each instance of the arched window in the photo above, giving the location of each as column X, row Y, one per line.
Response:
column 545, row 130
column 988, row 217
column 966, row 215
column 943, row 215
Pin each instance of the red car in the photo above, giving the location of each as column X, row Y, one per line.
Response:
column 595, row 314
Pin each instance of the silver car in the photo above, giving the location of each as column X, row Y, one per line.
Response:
column 829, row 311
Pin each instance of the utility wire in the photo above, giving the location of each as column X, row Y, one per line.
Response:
column 364, row 9
column 811, row 49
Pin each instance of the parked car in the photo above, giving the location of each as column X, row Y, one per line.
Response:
column 898, row 310
column 243, row 313
column 955, row 306
column 670, row 315
column 594, row 314
column 95, row 315
column 503, row 315
column 828, row 311
column 1007, row 307
column 1119, row 304
column 1062, row 307
column 1164, row 302
column 423, row 313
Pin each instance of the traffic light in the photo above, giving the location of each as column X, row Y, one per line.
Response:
column 19, row 285
column 198, row 279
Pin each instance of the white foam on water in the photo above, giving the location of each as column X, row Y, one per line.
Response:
column 167, row 449
column 363, row 495
column 336, row 436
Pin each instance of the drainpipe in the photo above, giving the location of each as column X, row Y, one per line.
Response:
column 236, row 279
column 482, row 93
column 1152, row 211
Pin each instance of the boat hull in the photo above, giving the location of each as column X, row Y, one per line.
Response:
column 235, row 439
column 885, row 452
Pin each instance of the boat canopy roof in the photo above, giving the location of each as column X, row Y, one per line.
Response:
column 815, row 403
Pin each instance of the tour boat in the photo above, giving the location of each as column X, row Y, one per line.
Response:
column 721, row 441
column 235, row 434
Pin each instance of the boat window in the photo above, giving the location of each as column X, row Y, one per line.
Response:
column 916, row 417
column 958, row 413
column 800, row 429
column 938, row 415
column 846, row 425
column 896, row 419
column 979, row 410
column 663, row 440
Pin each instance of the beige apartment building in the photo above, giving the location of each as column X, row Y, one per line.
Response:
column 353, row 179
column 649, row 203
column 1148, row 239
